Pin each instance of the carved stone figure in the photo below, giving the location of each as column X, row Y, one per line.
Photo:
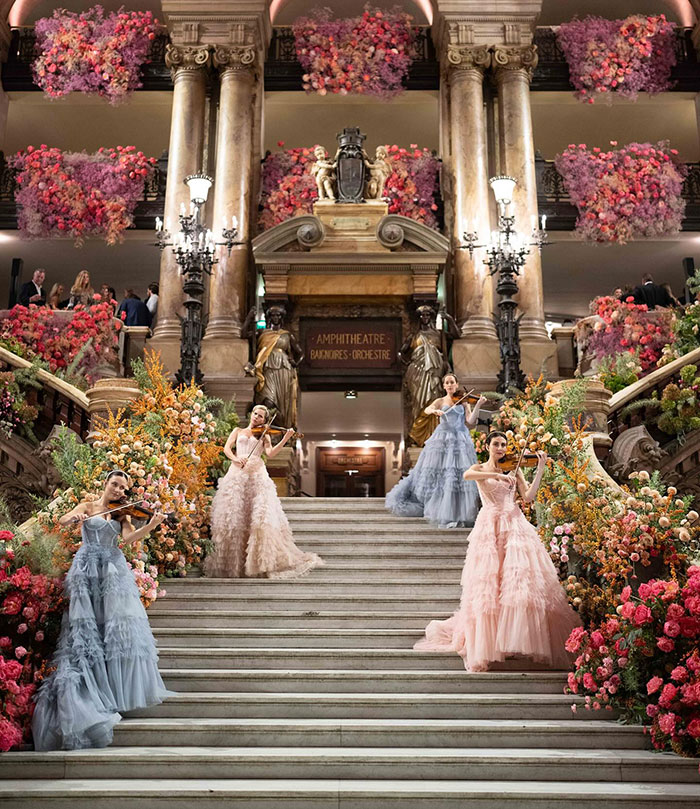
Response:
column 379, row 172
column 633, row 450
column 350, row 165
column 425, row 353
column 323, row 171
column 278, row 355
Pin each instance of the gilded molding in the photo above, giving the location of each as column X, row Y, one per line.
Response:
column 186, row 57
column 468, row 57
column 234, row 57
column 515, row 57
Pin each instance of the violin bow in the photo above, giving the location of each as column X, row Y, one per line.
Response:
column 468, row 393
column 262, row 435
column 110, row 510
column 520, row 457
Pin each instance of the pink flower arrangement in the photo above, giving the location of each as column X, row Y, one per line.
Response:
column 31, row 607
column 92, row 52
column 289, row 190
column 645, row 662
column 146, row 578
column 366, row 55
column 629, row 327
column 47, row 335
column 633, row 192
column 76, row 195
column 618, row 56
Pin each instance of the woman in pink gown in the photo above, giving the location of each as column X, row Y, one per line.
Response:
column 512, row 602
column 250, row 531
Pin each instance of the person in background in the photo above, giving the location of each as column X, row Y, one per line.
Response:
column 55, row 299
column 33, row 291
column 81, row 293
column 651, row 294
column 675, row 302
column 152, row 301
column 133, row 311
column 109, row 294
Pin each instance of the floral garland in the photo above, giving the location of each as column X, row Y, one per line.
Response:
column 31, row 606
column 633, row 192
column 169, row 444
column 75, row 195
column 79, row 344
column 17, row 416
column 92, row 53
column 618, row 56
column 289, row 190
column 627, row 327
column 366, row 55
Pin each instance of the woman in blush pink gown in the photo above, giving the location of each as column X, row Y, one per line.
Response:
column 512, row 602
column 250, row 531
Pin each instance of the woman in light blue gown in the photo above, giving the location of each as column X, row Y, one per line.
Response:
column 435, row 488
column 106, row 660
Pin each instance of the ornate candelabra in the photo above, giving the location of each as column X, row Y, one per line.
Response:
column 194, row 246
column 506, row 254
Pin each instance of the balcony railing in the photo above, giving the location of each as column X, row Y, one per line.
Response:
column 554, row 200
column 283, row 71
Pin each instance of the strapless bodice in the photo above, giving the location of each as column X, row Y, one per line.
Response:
column 453, row 419
column 98, row 531
column 245, row 444
column 496, row 494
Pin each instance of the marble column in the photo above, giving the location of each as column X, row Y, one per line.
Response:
column 513, row 66
column 470, row 191
column 188, row 65
column 232, row 187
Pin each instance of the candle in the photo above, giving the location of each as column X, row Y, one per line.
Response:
column 234, row 223
column 223, row 227
column 159, row 224
column 533, row 222
column 182, row 209
column 544, row 222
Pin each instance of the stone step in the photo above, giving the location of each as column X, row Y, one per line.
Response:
column 354, row 517
column 506, row 764
column 166, row 616
column 333, row 503
column 295, row 681
column 305, row 732
column 403, row 570
column 201, row 637
column 306, row 601
column 380, row 547
column 447, row 586
column 366, row 554
column 351, row 794
column 366, row 533
column 348, row 659
column 368, row 706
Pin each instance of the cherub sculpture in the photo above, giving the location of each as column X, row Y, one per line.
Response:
column 323, row 171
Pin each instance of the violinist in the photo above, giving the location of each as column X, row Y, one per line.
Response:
column 512, row 604
column 434, row 488
column 249, row 528
column 106, row 660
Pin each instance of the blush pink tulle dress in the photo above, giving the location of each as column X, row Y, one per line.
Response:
column 512, row 602
column 250, row 531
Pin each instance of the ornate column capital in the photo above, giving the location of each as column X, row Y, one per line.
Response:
column 234, row 57
column 468, row 57
column 507, row 58
column 187, row 57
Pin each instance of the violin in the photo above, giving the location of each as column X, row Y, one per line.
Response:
column 509, row 462
column 138, row 511
column 460, row 396
column 258, row 431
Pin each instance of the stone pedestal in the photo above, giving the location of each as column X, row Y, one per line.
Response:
column 280, row 467
column 567, row 360
column 596, row 406
column 476, row 363
column 351, row 227
column 539, row 357
column 132, row 344
column 111, row 394
column 222, row 363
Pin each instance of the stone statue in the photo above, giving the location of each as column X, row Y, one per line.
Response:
column 323, row 171
column 350, row 165
column 425, row 355
column 379, row 171
column 277, row 356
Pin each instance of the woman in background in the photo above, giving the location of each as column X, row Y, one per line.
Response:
column 81, row 293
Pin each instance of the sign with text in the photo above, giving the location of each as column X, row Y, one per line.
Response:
column 351, row 344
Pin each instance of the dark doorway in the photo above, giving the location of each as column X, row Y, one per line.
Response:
column 350, row 472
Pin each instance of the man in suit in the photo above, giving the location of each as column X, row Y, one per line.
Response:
column 33, row 291
column 651, row 294
column 133, row 311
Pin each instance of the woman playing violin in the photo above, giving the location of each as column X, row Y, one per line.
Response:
column 106, row 660
column 249, row 529
column 512, row 602
column 434, row 488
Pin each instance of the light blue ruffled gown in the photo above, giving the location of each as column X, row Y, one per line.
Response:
column 435, row 488
column 106, row 660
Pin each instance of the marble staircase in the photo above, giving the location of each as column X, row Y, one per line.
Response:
column 307, row 695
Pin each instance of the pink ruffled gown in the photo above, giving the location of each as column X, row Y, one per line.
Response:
column 512, row 602
column 250, row 530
